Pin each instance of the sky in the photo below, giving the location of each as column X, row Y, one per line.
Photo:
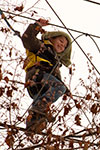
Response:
column 81, row 16
column 78, row 15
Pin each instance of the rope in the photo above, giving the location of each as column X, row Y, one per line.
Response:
column 73, row 38
column 97, row 36
column 4, row 17
column 92, row 2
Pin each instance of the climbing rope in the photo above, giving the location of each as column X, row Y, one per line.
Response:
column 4, row 17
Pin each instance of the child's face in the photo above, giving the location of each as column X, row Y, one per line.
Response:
column 59, row 43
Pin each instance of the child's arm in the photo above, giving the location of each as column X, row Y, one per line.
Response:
column 29, row 38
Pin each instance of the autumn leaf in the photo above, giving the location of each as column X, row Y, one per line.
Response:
column 19, row 8
column 77, row 120
column 9, row 140
column 0, row 76
column 6, row 79
column 1, row 91
column 97, row 95
column 29, row 117
column 9, row 93
column 77, row 104
column 67, row 108
column 88, row 97
column 19, row 118
column 64, row 97
column 94, row 109
column 98, row 130
column 86, row 145
column 70, row 70
column 27, row 84
column 50, row 147
column 14, row 105
column 71, row 144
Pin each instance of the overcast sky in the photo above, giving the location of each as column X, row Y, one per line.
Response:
column 78, row 15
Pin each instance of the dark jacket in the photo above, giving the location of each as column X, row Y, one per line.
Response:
column 44, row 51
column 40, row 53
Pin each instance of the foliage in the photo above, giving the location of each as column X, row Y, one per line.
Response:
column 77, row 124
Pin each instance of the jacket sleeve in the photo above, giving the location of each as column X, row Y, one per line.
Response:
column 29, row 38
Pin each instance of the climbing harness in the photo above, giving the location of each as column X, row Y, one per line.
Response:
column 32, row 59
column 4, row 17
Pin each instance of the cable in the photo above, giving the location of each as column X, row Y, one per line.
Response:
column 4, row 17
column 73, row 38
column 95, row 43
column 92, row 2
column 97, row 36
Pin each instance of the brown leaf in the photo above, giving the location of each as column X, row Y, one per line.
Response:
column 29, row 117
column 6, row 79
column 86, row 145
column 94, row 109
column 98, row 130
column 1, row 91
column 64, row 97
column 88, row 97
column 0, row 76
column 9, row 140
column 71, row 144
column 66, row 130
column 78, row 106
column 50, row 147
column 14, row 105
column 70, row 70
column 19, row 118
column 19, row 8
column 10, row 73
column 9, row 93
column 27, row 84
column 67, row 108
column 97, row 95
column 77, row 120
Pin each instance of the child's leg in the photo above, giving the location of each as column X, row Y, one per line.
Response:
column 55, row 90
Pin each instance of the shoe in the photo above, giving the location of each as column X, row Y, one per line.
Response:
column 35, row 123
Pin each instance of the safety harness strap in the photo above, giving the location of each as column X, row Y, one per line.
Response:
column 32, row 59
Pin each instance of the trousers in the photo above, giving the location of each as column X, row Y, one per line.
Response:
column 55, row 89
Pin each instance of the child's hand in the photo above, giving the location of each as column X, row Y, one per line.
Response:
column 42, row 22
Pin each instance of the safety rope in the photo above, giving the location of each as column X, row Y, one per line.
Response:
column 18, row 34
column 73, row 37
column 4, row 17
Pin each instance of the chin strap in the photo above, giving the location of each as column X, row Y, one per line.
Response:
column 4, row 17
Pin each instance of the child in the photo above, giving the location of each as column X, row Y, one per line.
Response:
column 44, row 58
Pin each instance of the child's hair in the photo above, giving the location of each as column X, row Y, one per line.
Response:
column 60, row 36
